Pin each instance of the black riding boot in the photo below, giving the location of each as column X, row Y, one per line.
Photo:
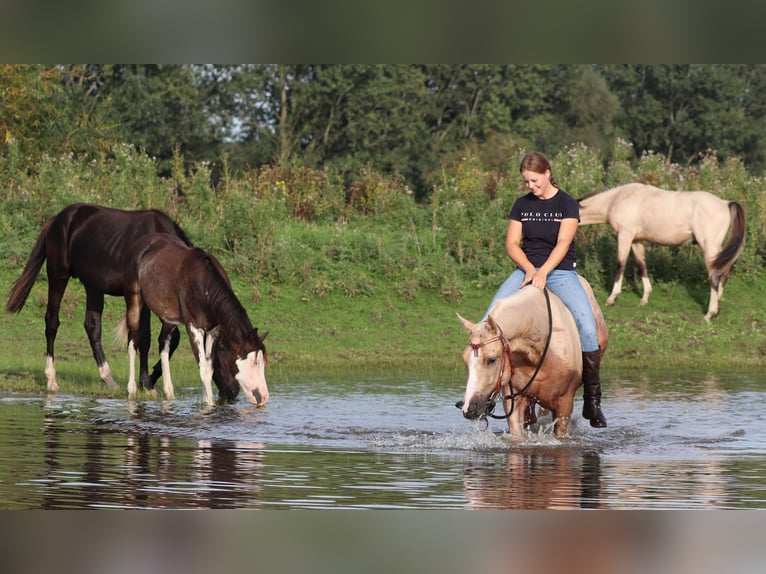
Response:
column 591, row 382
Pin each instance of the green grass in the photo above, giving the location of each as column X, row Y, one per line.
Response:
column 385, row 332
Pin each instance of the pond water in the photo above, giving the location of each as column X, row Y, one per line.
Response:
column 691, row 441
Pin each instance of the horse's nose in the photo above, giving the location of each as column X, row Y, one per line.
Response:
column 460, row 404
column 472, row 412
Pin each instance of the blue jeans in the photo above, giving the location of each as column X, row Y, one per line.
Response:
column 568, row 288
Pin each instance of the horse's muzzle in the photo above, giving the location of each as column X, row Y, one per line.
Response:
column 476, row 409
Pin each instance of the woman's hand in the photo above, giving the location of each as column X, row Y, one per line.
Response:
column 536, row 278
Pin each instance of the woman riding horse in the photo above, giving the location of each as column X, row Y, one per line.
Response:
column 540, row 238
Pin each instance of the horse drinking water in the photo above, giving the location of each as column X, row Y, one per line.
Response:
column 184, row 285
column 527, row 351
column 639, row 212
column 88, row 242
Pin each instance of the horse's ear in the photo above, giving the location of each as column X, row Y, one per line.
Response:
column 261, row 337
column 466, row 323
column 491, row 324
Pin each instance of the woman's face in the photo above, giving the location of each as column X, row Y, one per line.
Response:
column 537, row 183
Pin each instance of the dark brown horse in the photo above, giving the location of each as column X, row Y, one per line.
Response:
column 184, row 285
column 87, row 242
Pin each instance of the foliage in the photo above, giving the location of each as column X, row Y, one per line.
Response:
column 400, row 121
column 389, row 267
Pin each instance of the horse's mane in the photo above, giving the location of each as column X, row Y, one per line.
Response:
column 229, row 312
column 519, row 305
column 167, row 220
column 515, row 316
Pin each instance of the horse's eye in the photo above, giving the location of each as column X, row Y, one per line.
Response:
column 491, row 360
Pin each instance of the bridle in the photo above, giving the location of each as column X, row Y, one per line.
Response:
column 507, row 354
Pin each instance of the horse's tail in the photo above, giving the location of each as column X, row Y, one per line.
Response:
column 121, row 332
column 23, row 285
column 725, row 260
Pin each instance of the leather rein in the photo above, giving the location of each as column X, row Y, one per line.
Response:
column 507, row 354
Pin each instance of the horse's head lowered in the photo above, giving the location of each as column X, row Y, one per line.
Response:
column 488, row 360
column 241, row 364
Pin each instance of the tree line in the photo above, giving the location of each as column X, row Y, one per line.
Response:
column 397, row 120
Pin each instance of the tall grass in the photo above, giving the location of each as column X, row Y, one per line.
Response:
column 308, row 229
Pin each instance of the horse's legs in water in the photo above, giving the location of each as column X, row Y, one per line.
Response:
column 623, row 250
column 94, row 308
column 56, row 288
column 563, row 415
column 168, row 342
column 168, row 339
column 639, row 253
column 202, row 343
column 144, row 343
column 516, row 419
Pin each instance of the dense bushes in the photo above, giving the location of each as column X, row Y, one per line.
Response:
column 306, row 228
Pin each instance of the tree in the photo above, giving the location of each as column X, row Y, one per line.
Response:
column 38, row 115
column 158, row 108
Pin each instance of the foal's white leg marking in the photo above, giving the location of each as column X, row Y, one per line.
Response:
column 167, row 382
column 50, row 374
column 132, row 390
column 204, row 349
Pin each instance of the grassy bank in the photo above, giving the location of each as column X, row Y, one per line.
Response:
column 361, row 277
column 386, row 332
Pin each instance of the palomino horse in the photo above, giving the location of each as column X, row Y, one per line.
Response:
column 88, row 242
column 184, row 285
column 639, row 212
column 529, row 350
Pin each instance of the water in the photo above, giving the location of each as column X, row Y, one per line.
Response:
column 693, row 441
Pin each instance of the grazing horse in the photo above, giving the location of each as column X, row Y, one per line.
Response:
column 88, row 242
column 184, row 285
column 528, row 352
column 639, row 212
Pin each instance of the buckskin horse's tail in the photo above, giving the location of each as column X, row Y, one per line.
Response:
column 726, row 258
column 23, row 286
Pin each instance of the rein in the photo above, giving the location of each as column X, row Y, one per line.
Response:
column 507, row 352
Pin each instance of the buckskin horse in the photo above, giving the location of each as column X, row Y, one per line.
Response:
column 184, row 285
column 526, row 352
column 88, row 242
column 639, row 212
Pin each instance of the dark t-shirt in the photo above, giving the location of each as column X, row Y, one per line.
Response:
column 540, row 222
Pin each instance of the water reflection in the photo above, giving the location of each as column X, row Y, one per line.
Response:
column 96, row 466
column 535, row 479
column 672, row 442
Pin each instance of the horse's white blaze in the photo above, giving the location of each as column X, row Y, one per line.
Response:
column 472, row 385
column 50, row 374
column 167, row 381
column 132, row 390
column 251, row 376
